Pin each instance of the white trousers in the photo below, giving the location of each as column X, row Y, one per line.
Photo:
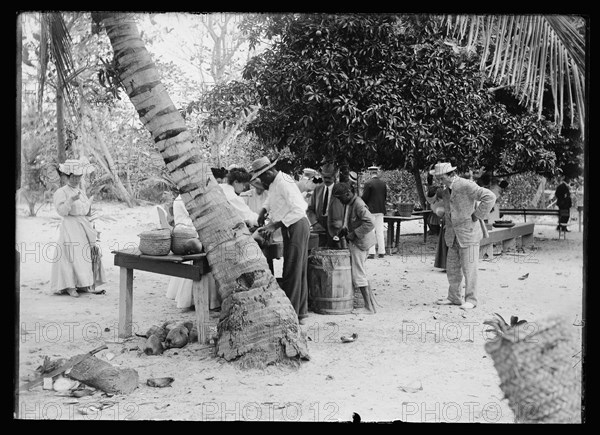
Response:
column 379, row 235
column 358, row 258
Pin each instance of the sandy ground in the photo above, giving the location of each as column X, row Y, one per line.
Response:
column 413, row 361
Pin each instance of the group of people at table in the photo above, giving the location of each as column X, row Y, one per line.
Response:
column 278, row 207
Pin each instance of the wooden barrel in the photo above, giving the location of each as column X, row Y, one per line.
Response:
column 330, row 281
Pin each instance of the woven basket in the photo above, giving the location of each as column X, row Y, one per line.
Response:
column 155, row 242
column 405, row 210
column 540, row 371
column 179, row 236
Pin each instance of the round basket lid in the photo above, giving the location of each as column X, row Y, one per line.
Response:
column 162, row 233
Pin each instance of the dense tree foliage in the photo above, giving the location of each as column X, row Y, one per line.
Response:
column 389, row 90
column 358, row 89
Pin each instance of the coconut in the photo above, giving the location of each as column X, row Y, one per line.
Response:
column 193, row 335
column 159, row 331
column 192, row 246
column 153, row 346
column 177, row 337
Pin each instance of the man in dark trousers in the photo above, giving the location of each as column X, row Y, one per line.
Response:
column 325, row 212
column 287, row 211
column 375, row 196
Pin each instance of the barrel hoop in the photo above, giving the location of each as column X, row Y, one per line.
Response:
column 333, row 299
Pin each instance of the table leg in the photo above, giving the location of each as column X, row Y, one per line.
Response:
column 397, row 245
column 425, row 228
column 390, row 237
column 200, row 294
column 125, row 302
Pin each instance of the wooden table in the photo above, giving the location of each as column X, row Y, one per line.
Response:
column 394, row 223
column 172, row 265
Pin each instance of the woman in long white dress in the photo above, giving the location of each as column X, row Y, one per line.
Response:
column 77, row 261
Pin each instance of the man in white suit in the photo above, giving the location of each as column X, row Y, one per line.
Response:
column 465, row 205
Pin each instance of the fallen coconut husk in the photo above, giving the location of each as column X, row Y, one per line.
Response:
column 193, row 335
column 100, row 374
column 47, row 378
column 159, row 331
column 153, row 346
column 177, row 337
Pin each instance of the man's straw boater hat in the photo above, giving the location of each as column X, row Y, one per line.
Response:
column 309, row 172
column 259, row 166
column 352, row 177
column 441, row 169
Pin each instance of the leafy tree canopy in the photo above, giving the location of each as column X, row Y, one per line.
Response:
column 386, row 89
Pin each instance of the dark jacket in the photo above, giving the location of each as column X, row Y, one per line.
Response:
column 563, row 196
column 335, row 211
column 375, row 195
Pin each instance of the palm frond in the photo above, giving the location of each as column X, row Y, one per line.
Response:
column 55, row 45
column 526, row 52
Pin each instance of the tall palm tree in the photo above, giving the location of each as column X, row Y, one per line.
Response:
column 526, row 52
column 257, row 318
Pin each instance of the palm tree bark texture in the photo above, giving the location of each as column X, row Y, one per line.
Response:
column 257, row 319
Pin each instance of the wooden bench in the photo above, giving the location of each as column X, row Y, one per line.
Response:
column 529, row 211
column 536, row 212
column 508, row 238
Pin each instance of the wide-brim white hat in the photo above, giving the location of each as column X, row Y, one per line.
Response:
column 442, row 168
column 76, row 167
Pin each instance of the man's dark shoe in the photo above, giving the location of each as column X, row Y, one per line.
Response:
column 371, row 256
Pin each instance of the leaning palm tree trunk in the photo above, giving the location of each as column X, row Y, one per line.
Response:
column 257, row 319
